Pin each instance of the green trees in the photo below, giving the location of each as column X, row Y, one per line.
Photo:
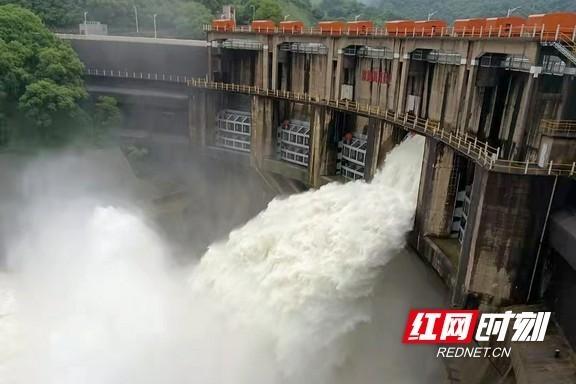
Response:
column 247, row 10
column 106, row 113
column 59, row 13
column 190, row 19
column 268, row 9
column 41, row 86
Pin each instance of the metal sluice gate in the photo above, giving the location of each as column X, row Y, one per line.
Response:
column 352, row 157
column 294, row 142
column 233, row 130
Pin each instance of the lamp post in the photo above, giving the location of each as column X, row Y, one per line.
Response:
column 253, row 11
column 431, row 14
column 85, row 22
column 357, row 17
column 512, row 10
column 136, row 18
column 286, row 17
column 155, row 29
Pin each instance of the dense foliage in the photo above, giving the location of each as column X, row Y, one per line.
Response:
column 41, row 86
column 453, row 9
column 186, row 17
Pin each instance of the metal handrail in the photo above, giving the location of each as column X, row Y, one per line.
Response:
column 481, row 152
column 565, row 128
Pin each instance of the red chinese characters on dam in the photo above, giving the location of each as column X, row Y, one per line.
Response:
column 373, row 76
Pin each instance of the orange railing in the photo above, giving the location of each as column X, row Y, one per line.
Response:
column 522, row 31
column 480, row 152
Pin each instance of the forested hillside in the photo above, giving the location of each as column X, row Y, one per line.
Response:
column 452, row 9
column 185, row 18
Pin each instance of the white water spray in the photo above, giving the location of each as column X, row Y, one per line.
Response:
column 97, row 303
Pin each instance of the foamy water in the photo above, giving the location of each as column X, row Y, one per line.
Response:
column 95, row 300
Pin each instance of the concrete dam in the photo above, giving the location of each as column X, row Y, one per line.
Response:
column 460, row 148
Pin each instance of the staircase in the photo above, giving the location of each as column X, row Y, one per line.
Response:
column 567, row 47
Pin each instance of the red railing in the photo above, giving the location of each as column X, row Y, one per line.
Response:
column 523, row 31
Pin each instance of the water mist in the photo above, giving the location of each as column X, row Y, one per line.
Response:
column 94, row 297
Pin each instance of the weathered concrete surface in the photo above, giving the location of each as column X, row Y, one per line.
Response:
column 143, row 55
column 506, row 220
column 261, row 140
column 437, row 191
column 318, row 145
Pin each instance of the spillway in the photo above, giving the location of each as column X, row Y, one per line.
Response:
column 314, row 289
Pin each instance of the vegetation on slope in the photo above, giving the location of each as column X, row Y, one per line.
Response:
column 453, row 9
column 41, row 87
column 184, row 18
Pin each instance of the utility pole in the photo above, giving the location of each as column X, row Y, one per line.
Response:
column 155, row 30
column 512, row 10
column 136, row 18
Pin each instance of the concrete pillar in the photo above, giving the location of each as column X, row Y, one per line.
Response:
column 389, row 137
column 465, row 115
column 507, row 214
column 197, row 123
column 426, row 110
column 261, row 140
column 372, row 151
column 394, row 81
column 458, row 95
column 329, row 63
column 265, row 68
column 210, row 64
column 437, row 191
column 319, row 120
column 403, row 81
column 275, row 66
column 523, row 113
column 338, row 83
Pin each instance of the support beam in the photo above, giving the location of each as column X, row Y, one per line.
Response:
column 197, row 119
column 437, row 192
column 319, row 120
column 458, row 95
column 523, row 113
column 265, row 68
column 275, row 66
column 393, row 96
column 329, row 68
column 261, row 140
column 372, row 151
column 403, row 81
column 338, row 81
column 465, row 115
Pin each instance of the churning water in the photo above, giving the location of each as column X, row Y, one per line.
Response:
column 94, row 298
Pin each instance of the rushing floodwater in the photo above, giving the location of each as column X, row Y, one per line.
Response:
column 287, row 298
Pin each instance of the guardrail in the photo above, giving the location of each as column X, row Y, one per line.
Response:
column 558, row 128
column 477, row 150
column 181, row 79
column 524, row 31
